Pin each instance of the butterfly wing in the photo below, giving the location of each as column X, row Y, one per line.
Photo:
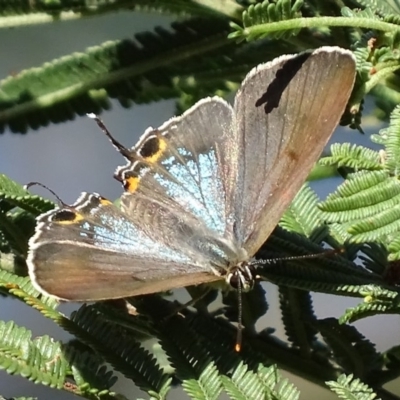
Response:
column 169, row 232
column 200, row 190
column 175, row 187
column 285, row 112
column 93, row 251
column 233, row 175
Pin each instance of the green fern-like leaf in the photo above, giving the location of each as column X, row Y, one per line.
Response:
column 197, row 340
column 126, row 354
column 254, row 306
column 16, row 228
column 357, row 13
column 264, row 13
column 286, row 391
column 179, row 8
column 328, row 274
column 394, row 249
column 382, row 225
column 381, row 7
column 10, row 188
column 351, row 349
column 39, row 360
column 370, row 214
column 297, row 313
column 303, row 215
column 371, row 306
column 14, row 194
column 207, row 387
column 188, row 350
column 365, row 207
column 362, row 53
column 347, row 387
column 16, row 225
column 90, row 376
column 390, row 138
column 218, row 339
column 353, row 156
column 375, row 258
column 356, row 183
column 243, row 384
column 264, row 383
column 83, row 82
column 22, row 288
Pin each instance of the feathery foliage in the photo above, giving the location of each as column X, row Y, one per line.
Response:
column 351, row 238
column 365, row 207
column 347, row 387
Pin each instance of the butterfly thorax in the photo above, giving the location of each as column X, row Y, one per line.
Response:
column 232, row 262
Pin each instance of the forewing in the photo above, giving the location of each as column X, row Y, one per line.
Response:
column 285, row 112
column 93, row 251
column 175, row 183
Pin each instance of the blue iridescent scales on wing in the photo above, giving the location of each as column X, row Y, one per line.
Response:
column 93, row 244
column 202, row 192
column 201, row 181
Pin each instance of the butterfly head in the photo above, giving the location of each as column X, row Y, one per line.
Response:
column 242, row 277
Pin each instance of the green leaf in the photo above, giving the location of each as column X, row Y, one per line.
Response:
column 207, row 387
column 349, row 388
column 264, row 13
column 351, row 350
column 38, row 360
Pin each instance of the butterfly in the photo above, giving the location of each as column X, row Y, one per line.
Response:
column 202, row 192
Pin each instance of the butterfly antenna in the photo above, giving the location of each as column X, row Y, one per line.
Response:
column 238, row 345
column 30, row 184
column 302, row 257
column 122, row 149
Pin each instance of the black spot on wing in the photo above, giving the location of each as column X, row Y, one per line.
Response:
column 64, row 215
column 150, row 147
column 271, row 97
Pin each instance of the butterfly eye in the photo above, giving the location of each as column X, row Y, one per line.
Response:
column 242, row 277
